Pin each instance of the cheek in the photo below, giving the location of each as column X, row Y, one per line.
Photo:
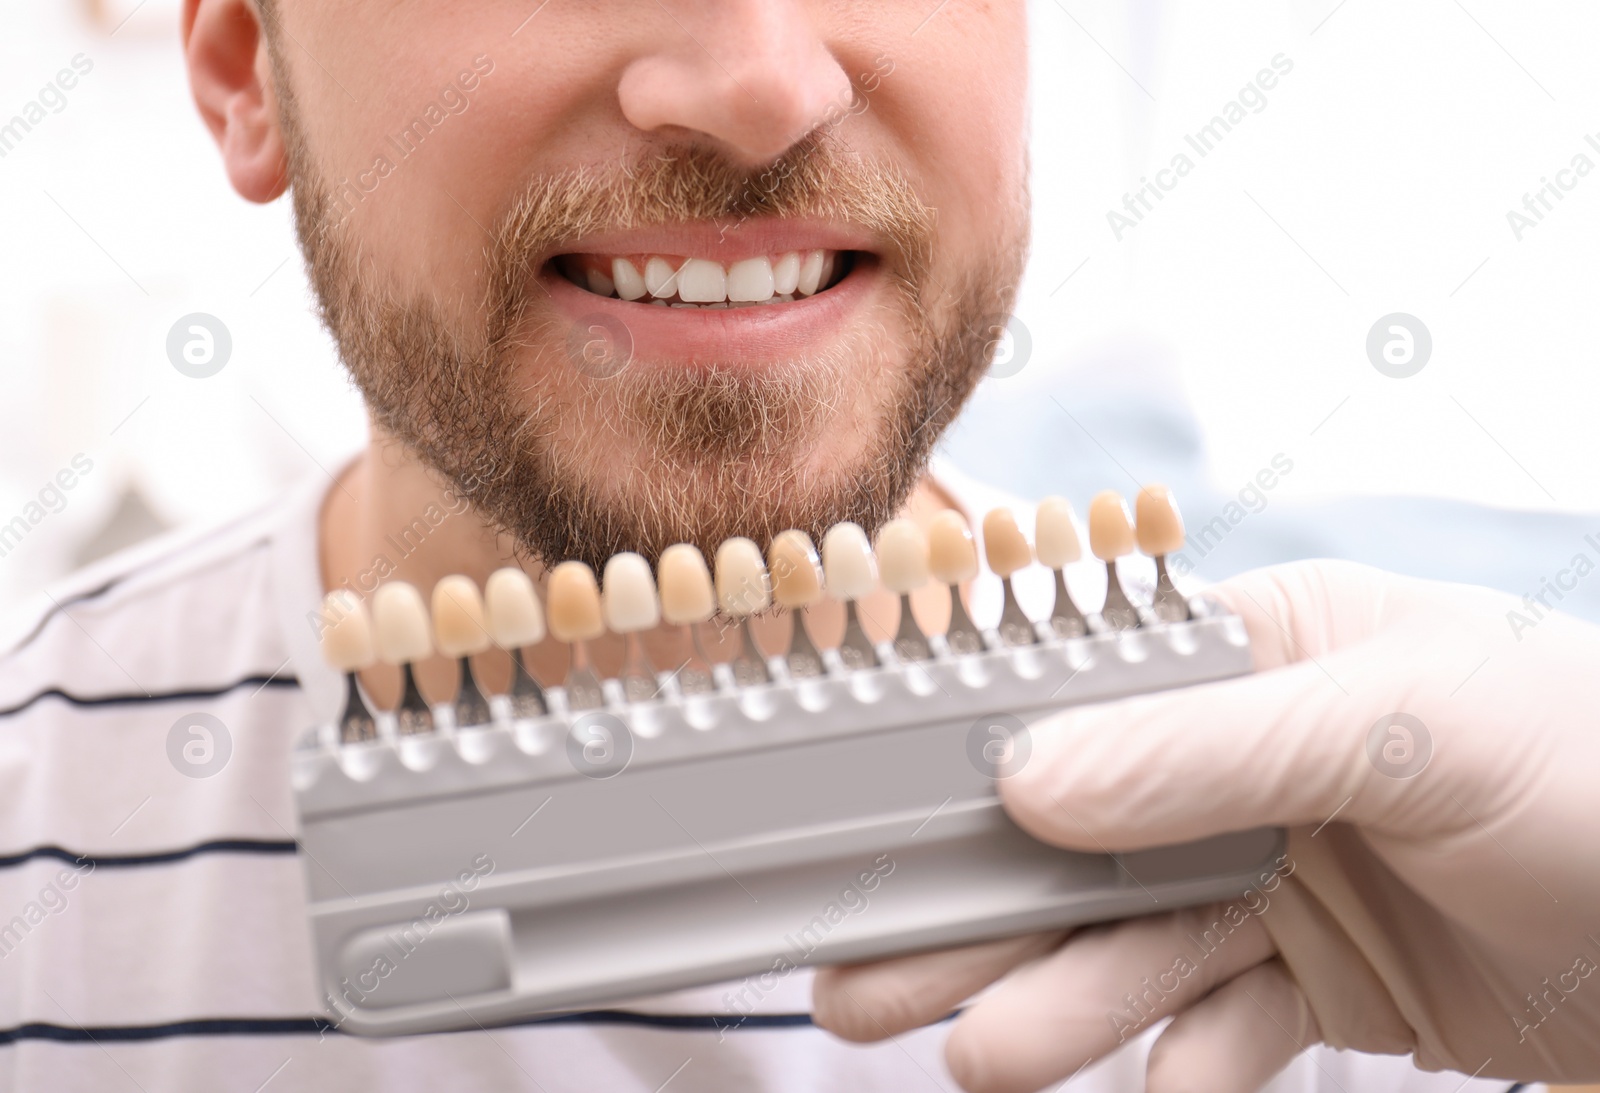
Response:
column 955, row 107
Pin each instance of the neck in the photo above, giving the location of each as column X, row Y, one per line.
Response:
column 388, row 518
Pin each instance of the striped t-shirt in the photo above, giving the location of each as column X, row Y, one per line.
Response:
column 153, row 932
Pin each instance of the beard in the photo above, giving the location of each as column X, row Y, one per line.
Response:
column 563, row 442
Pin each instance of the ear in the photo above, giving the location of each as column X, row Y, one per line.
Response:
column 230, row 74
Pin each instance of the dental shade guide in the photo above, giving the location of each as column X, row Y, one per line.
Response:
column 607, row 839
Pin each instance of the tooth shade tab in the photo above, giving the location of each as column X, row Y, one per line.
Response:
column 1160, row 527
column 796, row 570
column 400, row 623
column 514, row 616
column 628, row 597
column 574, row 603
column 1004, row 544
column 1055, row 533
column 1110, row 527
column 346, row 631
column 902, row 549
column 847, row 562
column 742, row 585
column 459, row 626
column 952, row 556
column 685, row 583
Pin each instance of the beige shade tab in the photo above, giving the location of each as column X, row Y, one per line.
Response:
column 512, row 604
column 573, row 607
column 1110, row 527
column 400, row 623
column 902, row 549
column 847, row 562
column 1055, row 533
column 346, row 631
column 952, row 555
column 459, row 626
column 685, row 584
column 628, row 594
column 795, row 569
column 1160, row 528
column 742, row 584
column 1004, row 545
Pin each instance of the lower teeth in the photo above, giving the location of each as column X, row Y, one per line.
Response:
column 781, row 298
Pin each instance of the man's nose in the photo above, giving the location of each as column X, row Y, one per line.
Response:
column 754, row 75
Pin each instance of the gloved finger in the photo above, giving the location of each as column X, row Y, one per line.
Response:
column 1106, row 985
column 1304, row 610
column 1286, row 746
column 865, row 1002
column 1236, row 1038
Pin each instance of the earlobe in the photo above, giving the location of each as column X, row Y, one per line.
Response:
column 230, row 75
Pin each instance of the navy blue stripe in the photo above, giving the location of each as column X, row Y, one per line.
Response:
column 157, row 857
column 160, row 696
column 316, row 1026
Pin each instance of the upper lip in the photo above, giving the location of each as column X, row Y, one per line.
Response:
column 727, row 241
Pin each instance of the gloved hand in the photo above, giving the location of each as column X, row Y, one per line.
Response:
column 1451, row 912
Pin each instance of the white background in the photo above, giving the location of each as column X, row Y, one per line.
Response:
column 1377, row 179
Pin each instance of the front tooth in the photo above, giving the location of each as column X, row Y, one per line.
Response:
column 629, row 284
column 847, row 562
column 599, row 283
column 829, row 262
column 702, row 282
column 786, row 274
column 810, row 273
column 660, row 278
column 752, row 279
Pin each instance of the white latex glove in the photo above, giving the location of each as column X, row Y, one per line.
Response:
column 1419, row 915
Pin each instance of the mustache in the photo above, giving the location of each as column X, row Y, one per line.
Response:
column 816, row 178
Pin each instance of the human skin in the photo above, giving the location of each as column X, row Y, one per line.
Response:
column 587, row 85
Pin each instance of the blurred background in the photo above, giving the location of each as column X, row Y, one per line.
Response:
column 1218, row 322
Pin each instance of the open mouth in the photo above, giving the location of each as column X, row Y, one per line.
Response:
column 667, row 280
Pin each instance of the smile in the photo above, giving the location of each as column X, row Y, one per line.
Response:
column 668, row 280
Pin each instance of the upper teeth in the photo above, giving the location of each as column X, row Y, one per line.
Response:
column 703, row 281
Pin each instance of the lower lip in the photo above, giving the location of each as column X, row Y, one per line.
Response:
column 739, row 336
